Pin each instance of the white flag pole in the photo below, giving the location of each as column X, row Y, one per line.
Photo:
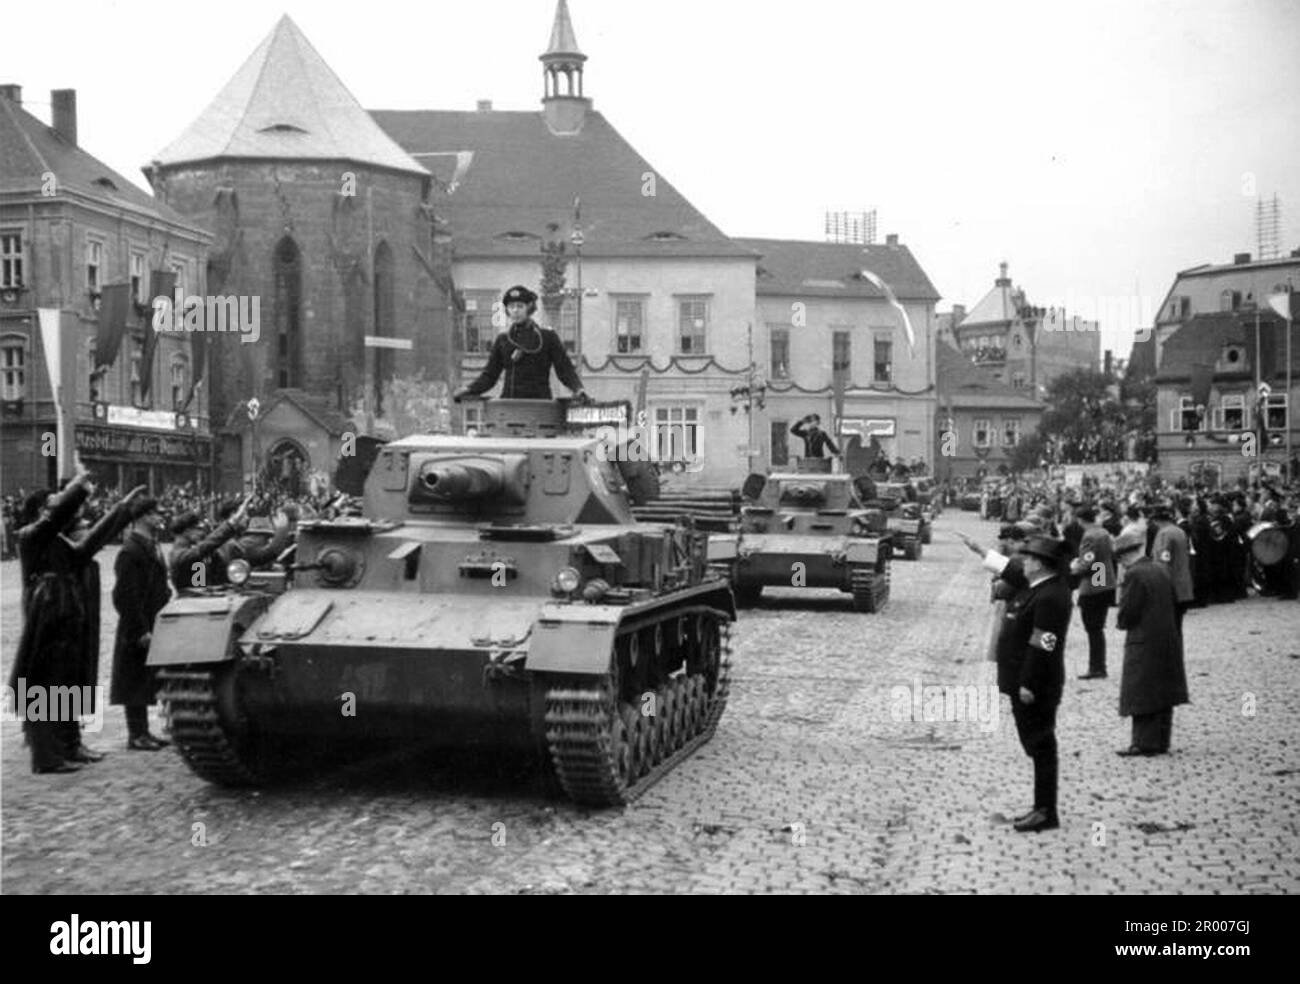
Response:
column 52, row 343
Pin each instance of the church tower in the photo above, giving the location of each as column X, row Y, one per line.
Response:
column 565, row 106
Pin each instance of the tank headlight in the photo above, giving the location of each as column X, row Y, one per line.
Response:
column 237, row 572
column 567, row 581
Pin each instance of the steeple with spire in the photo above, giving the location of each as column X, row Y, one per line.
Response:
column 563, row 102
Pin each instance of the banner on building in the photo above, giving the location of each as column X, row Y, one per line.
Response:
column 51, row 323
column 114, row 309
column 163, row 283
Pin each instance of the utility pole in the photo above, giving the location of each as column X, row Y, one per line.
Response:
column 749, row 395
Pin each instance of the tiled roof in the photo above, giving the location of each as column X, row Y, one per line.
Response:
column 961, row 383
column 506, row 172
column 793, row 267
column 285, row 103
column 1202, row 339
column 29, row 149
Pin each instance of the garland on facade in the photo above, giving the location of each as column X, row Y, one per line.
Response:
column 710, row 362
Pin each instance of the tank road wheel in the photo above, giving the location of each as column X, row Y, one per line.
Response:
column 870, row 589
column 210, row 731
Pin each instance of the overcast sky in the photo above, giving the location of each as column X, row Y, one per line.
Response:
column 1098, row 147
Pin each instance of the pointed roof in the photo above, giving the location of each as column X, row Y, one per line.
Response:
column 286, row 103
column 998, row 305
column 962, row 384
column 563, row 40
column 30, row 150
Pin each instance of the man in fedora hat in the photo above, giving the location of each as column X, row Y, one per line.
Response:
column 1031, row 667
column 139, row 593
column 1153, row 681
column 526, row 353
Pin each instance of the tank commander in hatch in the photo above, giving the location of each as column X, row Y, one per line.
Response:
column 526, row 353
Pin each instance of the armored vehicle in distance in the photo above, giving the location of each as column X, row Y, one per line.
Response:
column 497, row 593
column 905, row 518
column 806, row 529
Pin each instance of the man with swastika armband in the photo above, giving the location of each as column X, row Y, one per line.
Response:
column 1031, row 666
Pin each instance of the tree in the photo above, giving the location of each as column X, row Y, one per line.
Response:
column 1027, row 454
column 1087, row 419
column 555, row 262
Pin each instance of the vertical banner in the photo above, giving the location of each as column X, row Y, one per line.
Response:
column 55, row 352
column 163, row 284
column 114, row 306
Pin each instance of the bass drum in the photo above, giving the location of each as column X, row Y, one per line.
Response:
column 1268, row 543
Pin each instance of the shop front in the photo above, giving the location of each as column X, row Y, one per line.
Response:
column 123, row 457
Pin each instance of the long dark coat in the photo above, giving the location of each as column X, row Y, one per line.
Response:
column 139, row 593
column 59, row 644
column 1153, row 678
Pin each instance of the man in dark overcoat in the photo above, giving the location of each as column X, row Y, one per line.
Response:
column 1096, row 572
column 59, row 619
column 1154, row 680
column 140, row 591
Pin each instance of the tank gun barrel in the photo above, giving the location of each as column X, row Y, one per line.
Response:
column 463, row 481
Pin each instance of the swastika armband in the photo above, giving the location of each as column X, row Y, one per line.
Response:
column 1043, row 640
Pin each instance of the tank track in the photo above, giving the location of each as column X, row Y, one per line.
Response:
column 189, row 700
column 870, row 588
column 597, row 764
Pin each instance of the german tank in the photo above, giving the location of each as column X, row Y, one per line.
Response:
column 905, row 517
column 496, row 593
column 806, row 529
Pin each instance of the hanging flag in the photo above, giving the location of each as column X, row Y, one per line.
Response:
column 114, row 309
column 198, row 365
column 1286, row 303
column 883, row 287
column 51, row 326
column 163, row 283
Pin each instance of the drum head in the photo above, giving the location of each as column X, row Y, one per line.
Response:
column 1268, row 543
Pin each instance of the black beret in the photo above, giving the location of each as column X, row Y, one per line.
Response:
column 519, row 294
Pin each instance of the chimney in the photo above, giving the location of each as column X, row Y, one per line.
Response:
column 958, row 313
column 1108, row 362
column 485, row 105
column 891, row 239
column 1240, row 258
column 63, row 111
column 12, row 92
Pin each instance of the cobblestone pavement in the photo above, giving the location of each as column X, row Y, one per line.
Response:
column 812, row 783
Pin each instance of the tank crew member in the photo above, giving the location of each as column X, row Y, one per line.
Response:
column 1031, row 668
column 815, row 440
column 259, row 545
column 526, row 353
column 194, row 563
column 140, row 591
column 1095, row 569
column 1154, row 680
column 59, row 620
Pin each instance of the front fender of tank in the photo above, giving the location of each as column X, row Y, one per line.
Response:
column 198, row 629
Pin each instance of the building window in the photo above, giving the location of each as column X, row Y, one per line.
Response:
column 182, row 282
column 180, row 372
column 1275, row 412
column 692, row 325
column 287, row 284
column 780, row 443
column 629, row 324
column 567, row 324
column 841, row 353
column 13, row 367
column 1232, row 413
column 677, row 433
column 94, row 380
column 780, row 351
column 983, row 436
column 94, row 261
column 884, row 361
column 484, row 317
column 1017, row 341
column 1185, row 417
column 139, row 286
column 1018, row 379
column 1229, row 300
column 11, row 259
column 1010, row 432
